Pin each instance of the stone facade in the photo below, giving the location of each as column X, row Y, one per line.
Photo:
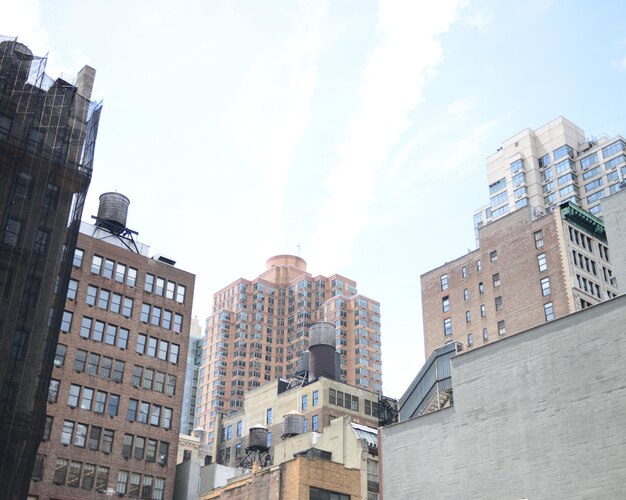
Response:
column 536, row 415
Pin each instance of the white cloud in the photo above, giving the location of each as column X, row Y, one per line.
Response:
column 479, row 19
column 392, row 85
column 272, row 112
column 23, row 20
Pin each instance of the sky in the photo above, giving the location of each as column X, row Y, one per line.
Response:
column 352, row 132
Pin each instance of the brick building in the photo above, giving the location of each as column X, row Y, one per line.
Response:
column 114, row 400
column 260, row 327
column 528, row 270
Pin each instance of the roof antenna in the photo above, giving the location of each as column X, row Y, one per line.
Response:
column 299, row 248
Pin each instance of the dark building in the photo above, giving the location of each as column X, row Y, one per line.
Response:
column 115, row 397
column 47, row 136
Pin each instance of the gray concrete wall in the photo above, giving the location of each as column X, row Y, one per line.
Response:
column 538, row 415
column 614, row 209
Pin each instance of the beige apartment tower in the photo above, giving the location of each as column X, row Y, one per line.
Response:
column 551, row 165
column 259, row 330
column 529, row 269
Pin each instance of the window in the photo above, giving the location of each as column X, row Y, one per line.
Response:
column 144, row 411
column 140, row 444
column 447, row 327
column 41, row 242
column 72, row 398
column 180, row 294
column 481, row 288
column 545, row 286
column 483, row 311
column 501, row 327
column 169, row 291
column 114, row 405
column 549, row 311
column 116, row 303
column 497, row 186
column 315, row 398
column 485, row 335
column 89, row 474
column 87, row 399
column 38, row 468
column 465, row 294
column 66, row 321
column 499, row 304
column 479, row 266
column 66, row 432
column 444, row 282
column 127, row 446
column 166, row 422
column 72, row 289
column 96, row 264
column 141, row 343
column 561, row 152
column 51, row 197
column 155, row 415
column 102, row 477
column 80, row 437
column 517, row 165
column 78, row 257
column 445, row 303
column 542, row 262
column 493, row 256
column 160, row 284
column 315, row 424
column 53, row 391
column 100, row 402
column 60, row 471
column 470, row 340
column 127, row 308
column 135, row 484
column 178, row 323
column 145, row 313
column 268, row 416
column 132, row 409
column 174, row 348
column 131, row 276
column 151, row 449
column 48, row 428
column 319, row 494
column 538, row 235
column 496, row 280
column 305, row 402
column 90, row 298
column 464, row 272
column 109, row 267
column 59, row 357
column 80, row 361
column 468, row 317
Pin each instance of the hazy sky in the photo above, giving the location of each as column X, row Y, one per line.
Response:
column 356, row 130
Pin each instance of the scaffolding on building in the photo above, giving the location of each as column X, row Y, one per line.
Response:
column 48, row 130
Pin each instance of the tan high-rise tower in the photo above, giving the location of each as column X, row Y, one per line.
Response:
column 259, row 328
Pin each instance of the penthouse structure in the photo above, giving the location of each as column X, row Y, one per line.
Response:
column 48, row 131
column 260, row 328
column 546, row 167
column 115, row 396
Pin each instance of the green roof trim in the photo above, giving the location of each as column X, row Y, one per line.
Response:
column 583, row 219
